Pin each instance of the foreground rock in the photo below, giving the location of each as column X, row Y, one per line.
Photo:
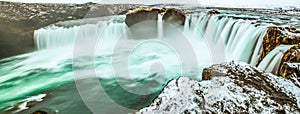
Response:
column 228, row 88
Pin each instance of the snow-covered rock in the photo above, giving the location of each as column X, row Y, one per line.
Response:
column 232, row 87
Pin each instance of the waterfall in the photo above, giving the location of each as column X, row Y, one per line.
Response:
column 54, row 36
column 53, row 65
column 241, row 39
column 272, row 61
column 160, row 26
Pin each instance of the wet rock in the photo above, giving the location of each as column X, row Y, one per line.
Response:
column 141, row 14
column 213, row 12
column 291, row 71
column 39, row 112
column 142, row 23
column 232, row 87
column 276, row 36
column 174, row 16
column 290, row 64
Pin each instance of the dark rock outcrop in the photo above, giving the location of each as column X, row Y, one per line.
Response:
column 141, row 14
column 39, row 112
column 276, row 36
column 142, row 23
column 213, row 12
column 174, row 16
column 232, row 87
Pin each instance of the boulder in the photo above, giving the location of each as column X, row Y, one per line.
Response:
column 142, row 23
column 141, row 14
column 232, row 87
column 174, row 16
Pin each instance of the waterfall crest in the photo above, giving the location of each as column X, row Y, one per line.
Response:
column 241, row 39
column 53, row 36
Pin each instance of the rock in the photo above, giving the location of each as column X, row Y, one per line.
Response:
column 276, row 36
column 141, row 14
column 290, row 64
column 39, row 112
column 232, row 87
column 174, row 16
column 291, row 71
column 142, row 23
column 213, row 12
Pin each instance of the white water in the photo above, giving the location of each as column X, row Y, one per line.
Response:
column 237, row 39
column 271, row 62
column 160, row 26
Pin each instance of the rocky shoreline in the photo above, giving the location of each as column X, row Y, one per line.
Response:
column 232, row 87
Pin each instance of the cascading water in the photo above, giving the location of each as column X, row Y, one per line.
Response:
column 271, row 62
column 241, row 39
column 52, row 65
column 160, row 26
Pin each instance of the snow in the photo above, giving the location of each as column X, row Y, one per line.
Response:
column 287, row 87
column 217, row 95
column 227, row 94
column 218, row 3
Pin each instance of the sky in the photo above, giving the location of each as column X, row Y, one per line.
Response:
column 218, row 3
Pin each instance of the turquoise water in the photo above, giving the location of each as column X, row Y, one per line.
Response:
column 97, row 67
column 40, row 72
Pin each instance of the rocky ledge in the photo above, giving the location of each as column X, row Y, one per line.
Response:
column 276, row 36
column 232, row 87
column 290, row 64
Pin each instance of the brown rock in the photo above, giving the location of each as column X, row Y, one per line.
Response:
column 246, row 75
column 290, row 64
column 141, row 14
column 39, row 112
column 142, row 23
column 276, row 36
column 174, row 16
column 241, row 88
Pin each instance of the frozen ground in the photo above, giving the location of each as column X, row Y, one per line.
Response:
column 217, row 3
